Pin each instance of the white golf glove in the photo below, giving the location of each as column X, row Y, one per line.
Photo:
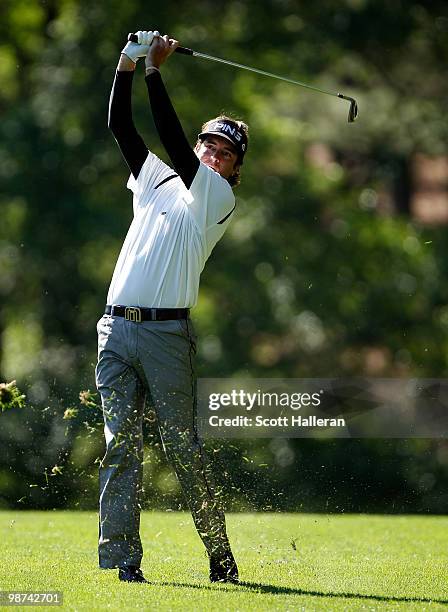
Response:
column 136, row 50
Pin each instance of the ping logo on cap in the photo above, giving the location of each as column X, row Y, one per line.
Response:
column 228, row 130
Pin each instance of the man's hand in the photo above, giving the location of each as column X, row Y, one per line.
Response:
column 161, row 48
column 136, row 50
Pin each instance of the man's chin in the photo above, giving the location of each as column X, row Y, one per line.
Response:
column 214, row 169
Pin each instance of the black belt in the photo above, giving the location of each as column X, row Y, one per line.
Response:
column 135, row 314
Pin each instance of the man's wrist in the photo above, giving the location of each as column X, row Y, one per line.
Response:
column 125, row 63
column 150, row 68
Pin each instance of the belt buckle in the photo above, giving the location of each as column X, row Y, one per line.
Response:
column 132, row 313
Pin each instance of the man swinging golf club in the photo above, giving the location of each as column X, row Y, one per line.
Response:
column 146, row 341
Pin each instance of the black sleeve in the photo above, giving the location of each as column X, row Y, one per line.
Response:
column 170, row 131
column 121, row 124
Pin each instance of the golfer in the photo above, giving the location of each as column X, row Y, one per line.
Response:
column 146, row 341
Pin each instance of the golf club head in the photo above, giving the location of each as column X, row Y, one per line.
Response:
column 353, row 110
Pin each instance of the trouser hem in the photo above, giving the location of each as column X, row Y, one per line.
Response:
column 116, row 565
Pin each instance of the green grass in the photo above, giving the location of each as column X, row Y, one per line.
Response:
column 286, row 562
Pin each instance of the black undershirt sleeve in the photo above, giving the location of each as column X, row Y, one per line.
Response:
column 122, row 125
column 170, row 131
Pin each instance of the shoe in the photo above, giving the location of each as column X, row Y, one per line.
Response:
column 223, row 569
column 131, row 573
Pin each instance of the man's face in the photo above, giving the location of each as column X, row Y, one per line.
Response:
column 219, row 154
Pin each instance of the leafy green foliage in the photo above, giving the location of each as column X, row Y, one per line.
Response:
column 10, row 396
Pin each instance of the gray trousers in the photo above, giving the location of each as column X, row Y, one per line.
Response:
column 150, row 360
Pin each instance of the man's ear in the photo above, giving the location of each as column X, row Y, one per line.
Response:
column 234, row 178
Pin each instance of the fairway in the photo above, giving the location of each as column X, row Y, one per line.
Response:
column 287, row 562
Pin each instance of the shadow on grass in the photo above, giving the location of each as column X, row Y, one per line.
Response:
column 279, row 590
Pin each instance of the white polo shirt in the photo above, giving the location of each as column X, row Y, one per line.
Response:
column 171, row 236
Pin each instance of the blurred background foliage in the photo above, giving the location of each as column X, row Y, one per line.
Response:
column 334, row 265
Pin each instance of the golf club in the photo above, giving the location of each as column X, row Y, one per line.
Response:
column 353, row 110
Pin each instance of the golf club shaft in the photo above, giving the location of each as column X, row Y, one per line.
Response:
column 187, row 51
column 264, row 73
